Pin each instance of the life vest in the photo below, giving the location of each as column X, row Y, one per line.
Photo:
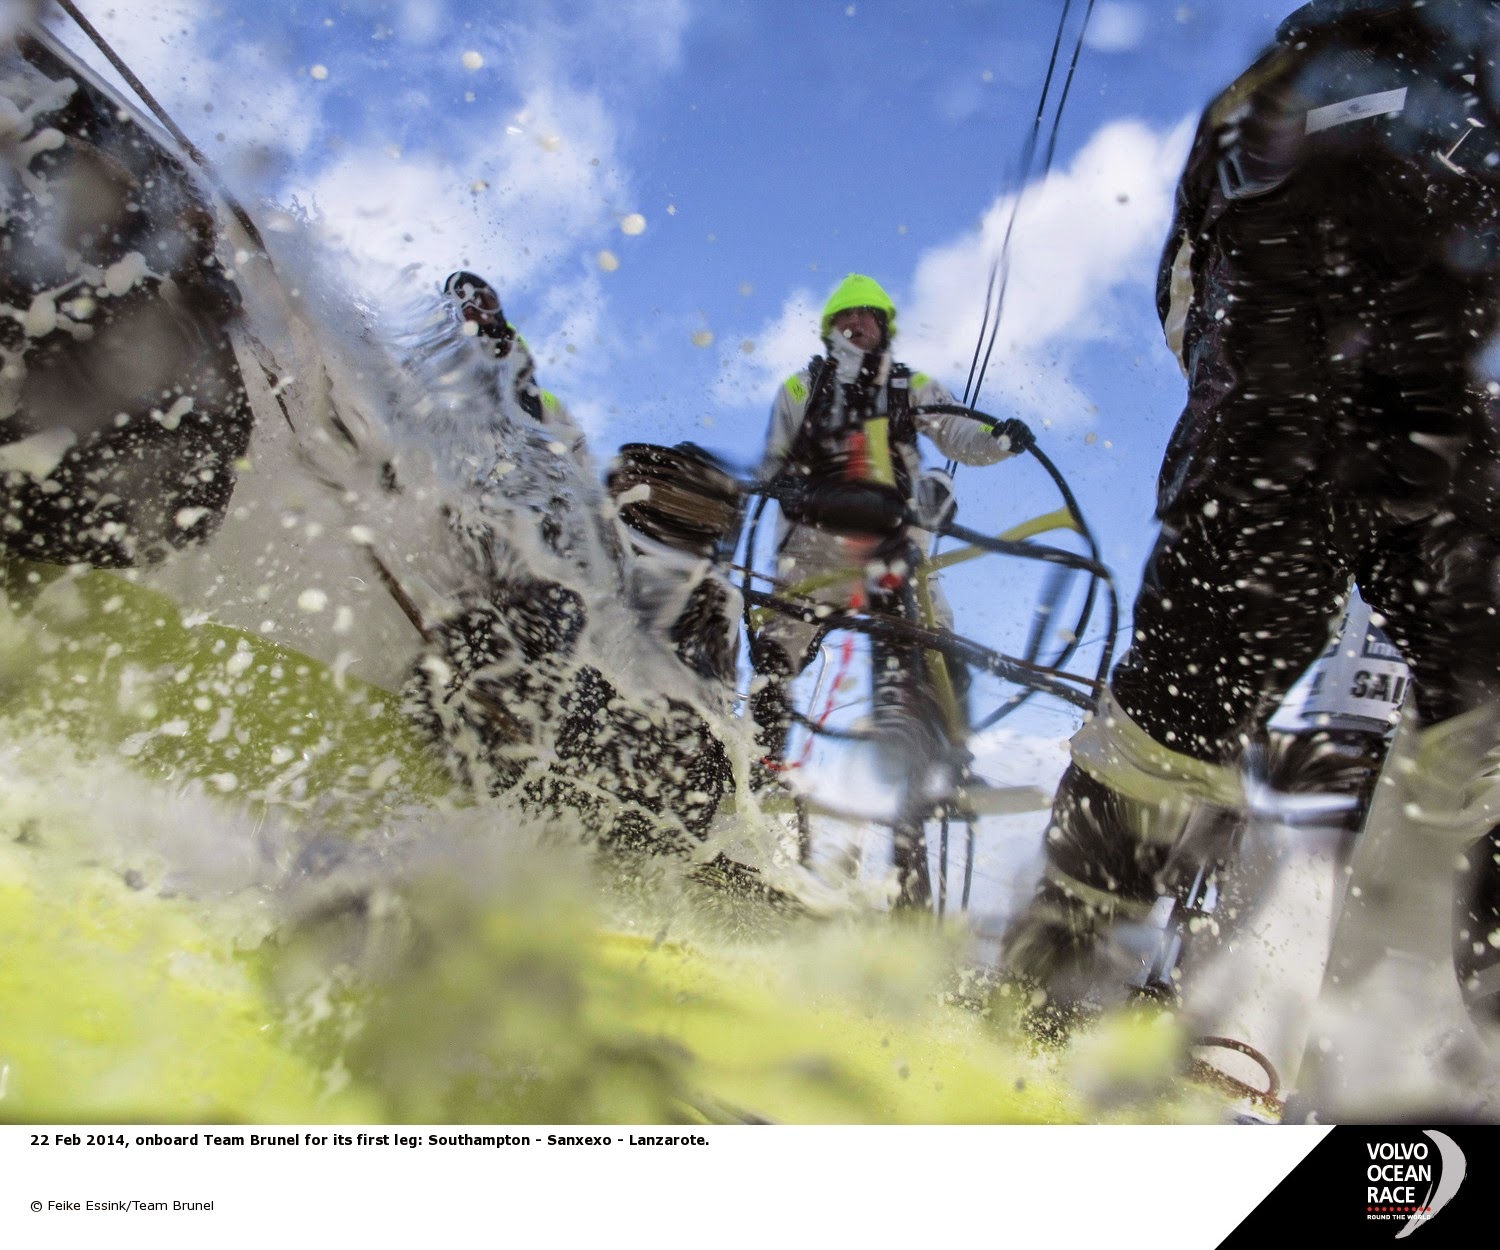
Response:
column 824, row 443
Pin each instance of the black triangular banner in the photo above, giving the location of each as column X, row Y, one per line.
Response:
column 1417, row 1185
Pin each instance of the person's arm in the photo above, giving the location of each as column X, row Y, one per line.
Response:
column 555, row 416
column 787, row 411
column 957, row 437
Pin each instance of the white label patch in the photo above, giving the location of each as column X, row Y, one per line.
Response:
column 1356, row 110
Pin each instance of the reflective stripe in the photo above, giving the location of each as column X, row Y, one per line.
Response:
column 880, row 467
column 1376, row 104
column 1447, row 777
column 1105, row 902
column 1113, row 749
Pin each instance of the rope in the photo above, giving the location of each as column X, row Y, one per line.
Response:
column 968, row 863
column 846, row 657
column 1205, row 1071
column 942, row 895
column 1023, row 440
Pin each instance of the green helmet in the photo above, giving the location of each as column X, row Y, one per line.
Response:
column 859, row 291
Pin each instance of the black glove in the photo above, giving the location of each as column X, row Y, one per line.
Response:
column 1016, row 433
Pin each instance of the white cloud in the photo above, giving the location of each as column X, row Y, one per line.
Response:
column 511, row 205
column 1116, row 27
column 781, row 347
column 1085, row 245
column 1081, row 239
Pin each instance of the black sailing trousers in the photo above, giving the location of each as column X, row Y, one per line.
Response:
column 1339, row 425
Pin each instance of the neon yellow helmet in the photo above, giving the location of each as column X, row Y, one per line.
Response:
column 859, row 291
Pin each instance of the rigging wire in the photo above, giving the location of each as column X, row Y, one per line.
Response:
column 1028, row 154
column 996, row 287
column 1000, row 267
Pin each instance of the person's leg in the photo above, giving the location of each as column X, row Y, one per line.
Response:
column 1234, row 607
column 1438, row 585
column 1427, row 483
column 1476, row 928
column 779, row 650
column 1239, row 595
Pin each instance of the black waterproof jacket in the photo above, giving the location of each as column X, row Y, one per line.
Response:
column 1349, row 82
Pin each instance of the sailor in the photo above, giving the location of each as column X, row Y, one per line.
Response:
column 478, row 306
column 817, row 437
column 510, row 683
column 1331, row 281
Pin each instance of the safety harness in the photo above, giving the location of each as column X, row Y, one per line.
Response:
column 819, row 448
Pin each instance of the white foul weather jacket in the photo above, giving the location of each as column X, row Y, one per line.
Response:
column 957, row 437
column 805, row 552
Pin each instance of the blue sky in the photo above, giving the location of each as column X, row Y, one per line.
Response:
column 666, row 190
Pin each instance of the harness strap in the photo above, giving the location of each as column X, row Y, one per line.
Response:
column 807, row 446
column 816, row 432
column 898, row 407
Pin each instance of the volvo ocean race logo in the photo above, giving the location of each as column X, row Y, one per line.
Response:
column 1409, row 1182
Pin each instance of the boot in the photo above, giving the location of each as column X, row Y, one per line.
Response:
column 1122, row 805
